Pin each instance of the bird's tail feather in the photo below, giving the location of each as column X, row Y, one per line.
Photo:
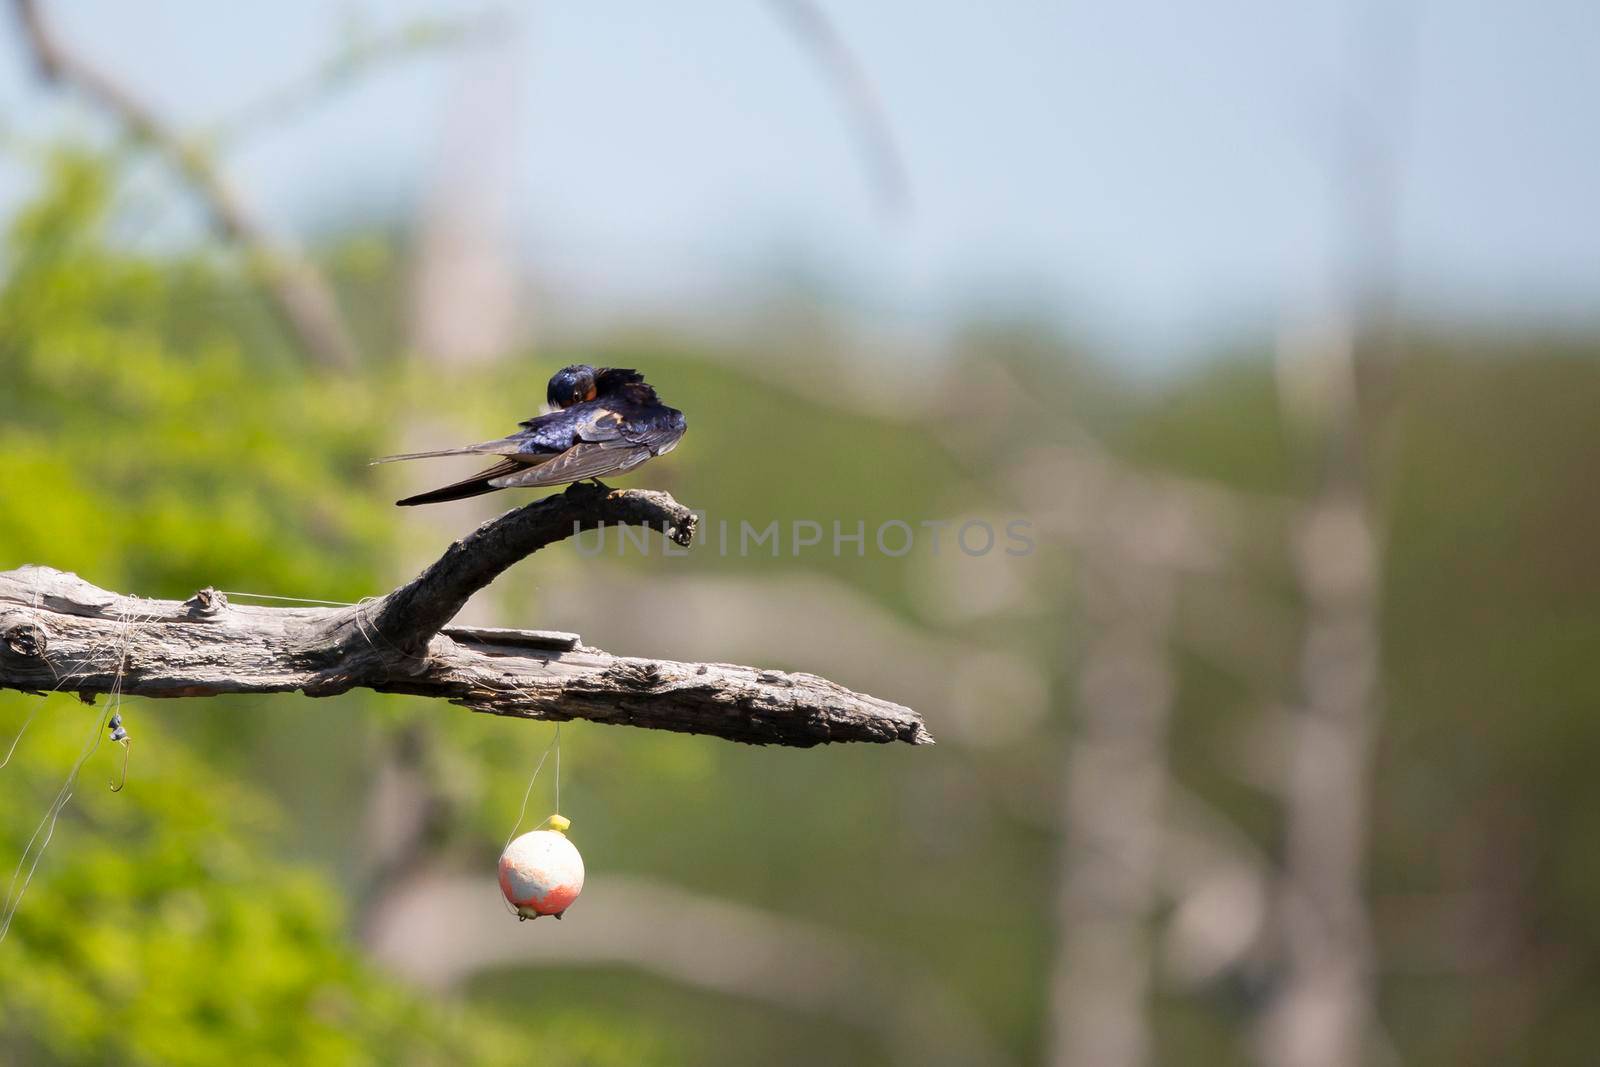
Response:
column 477, row 485
column 425, row 455
column 504, row 446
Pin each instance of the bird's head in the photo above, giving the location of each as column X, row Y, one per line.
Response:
column 571, row 385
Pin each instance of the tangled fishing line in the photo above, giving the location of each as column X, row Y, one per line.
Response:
column 111, row 718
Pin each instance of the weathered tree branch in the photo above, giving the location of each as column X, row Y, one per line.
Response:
column 302, row 299
column 60, row 633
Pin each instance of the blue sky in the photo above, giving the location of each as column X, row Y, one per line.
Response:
column 1159, row 173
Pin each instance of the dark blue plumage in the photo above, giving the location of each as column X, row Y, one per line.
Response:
column 608, row 421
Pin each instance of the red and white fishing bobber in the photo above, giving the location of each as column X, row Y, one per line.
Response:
column 541, row 872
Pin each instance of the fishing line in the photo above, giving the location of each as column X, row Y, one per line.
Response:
column 12, row 751
column 29, row 720
column 38, row 597
column 555, row 746
column 288, row 599
column 363, row 624
column 47, row 825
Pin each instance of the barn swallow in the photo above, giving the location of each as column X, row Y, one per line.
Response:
column 606, row 421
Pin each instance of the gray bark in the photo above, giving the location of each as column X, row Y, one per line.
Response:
column 61, row 633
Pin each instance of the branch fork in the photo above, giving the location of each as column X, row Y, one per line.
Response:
column 61, row 633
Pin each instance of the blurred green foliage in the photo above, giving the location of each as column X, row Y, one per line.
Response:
column 143, row 446
column 157, row 433
column 127, row 391
column 161, row 929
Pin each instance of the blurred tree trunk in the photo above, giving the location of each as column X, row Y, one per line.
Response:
column 1324, row 1014
column 1116, row 776
column 468, row 301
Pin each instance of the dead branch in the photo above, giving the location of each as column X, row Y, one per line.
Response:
column 298, row 293
column 811, row 25
column 60, row 633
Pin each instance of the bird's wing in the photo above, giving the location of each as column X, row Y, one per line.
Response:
column 659, row 432
column 588, row 440
column 558, row 431
column 656, row 428
column 587, row 459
